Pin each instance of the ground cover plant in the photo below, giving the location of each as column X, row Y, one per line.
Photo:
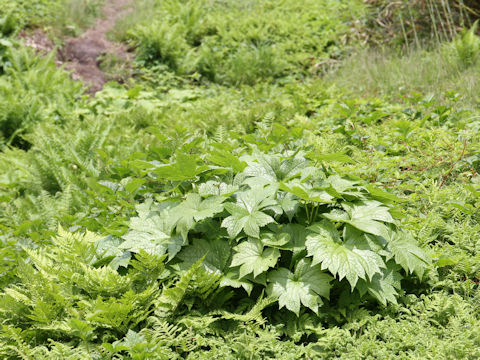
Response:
column 238, row 43
column 242, row 196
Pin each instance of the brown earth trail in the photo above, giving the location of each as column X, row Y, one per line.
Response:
column 81, row 54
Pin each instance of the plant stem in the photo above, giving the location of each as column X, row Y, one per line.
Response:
column 306, row 209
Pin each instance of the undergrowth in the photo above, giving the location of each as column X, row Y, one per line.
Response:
column 61, row 16
column 235, row 43
column 230, row 204
column 449, row 67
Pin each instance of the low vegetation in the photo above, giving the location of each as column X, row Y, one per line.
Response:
column 258, row 189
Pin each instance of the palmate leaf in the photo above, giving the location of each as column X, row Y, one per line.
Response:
column 341, row 185
column 369, row 210
column 342, row 259
column 185, row 168
column 220, row 156
column 305, row 193
column 253, row 257
column 246, row 214
column 364, row 241
column 148, row 232
column 108, row 248
column 194, row 209
column 296, row 235
column 303, row 287
column 289, row 204
column 272, row 169
column 368, row 216
column 216, row 254
column 232, row 279
column 279, row 240
column 242, row 219
column 151, row 230
column 382, row 195
column 407, row 254
column 216, row 188
column 383, row 286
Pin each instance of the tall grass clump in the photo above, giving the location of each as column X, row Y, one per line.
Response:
column 159, row 43
column 450, row 67
column 73, row 16
column 250, row 64
column 418, row 22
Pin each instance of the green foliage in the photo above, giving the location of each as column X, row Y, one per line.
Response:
column 27, row 88
column 233, row 44
column 66, row 16
column 160, row 42
column 68, row 301
column 243, row 219
column 272, row 200
column 465, row 50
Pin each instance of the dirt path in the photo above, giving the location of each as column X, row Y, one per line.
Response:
column 81, row 54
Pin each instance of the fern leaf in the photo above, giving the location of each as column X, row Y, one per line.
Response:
column 253, row 315
column 171, row 298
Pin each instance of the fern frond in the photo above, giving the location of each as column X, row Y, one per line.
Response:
column 168, row 335
column 220, row 134
column 172, row 297
column 13, row 339
column 264, row 126
column 253, row 315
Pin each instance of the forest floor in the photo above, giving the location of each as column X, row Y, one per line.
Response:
column 83, row 54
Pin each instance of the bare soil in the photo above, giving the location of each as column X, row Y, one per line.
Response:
column 38, row 40
column 82, row 55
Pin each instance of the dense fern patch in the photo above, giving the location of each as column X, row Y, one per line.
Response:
column 234, row 43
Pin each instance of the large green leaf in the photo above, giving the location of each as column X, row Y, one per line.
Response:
column 383, row 286
column 354, row 237
column 272, row 169
column 407, row 254
column 109, row 248
column 148, row 232
column 216, row 188
column 305, row 286
column 246, row 214
column 369, row 210
column 298, row 235
column 217, row 254
column 344, row 260
column 367, row 216
column 194, row 209
column 222, row 157
column 306, row 193
column 341, row 185
column 382, row 195
column 184, row 168
column 289, row 204
column 232, row 279
column 253, row 257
